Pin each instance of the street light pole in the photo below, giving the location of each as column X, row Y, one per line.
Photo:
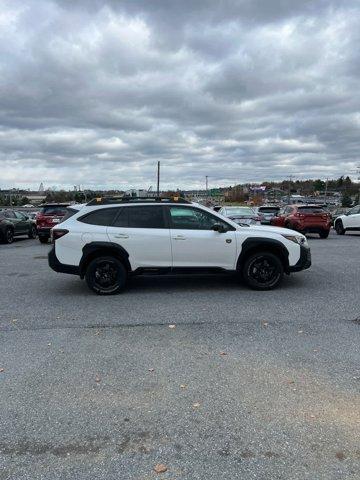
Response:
column 158, row 179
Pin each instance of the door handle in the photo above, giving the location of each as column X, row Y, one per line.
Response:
column 179, row 237
column 121, row 235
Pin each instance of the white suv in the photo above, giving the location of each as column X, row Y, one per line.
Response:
column 348, row 222
column 107, row 240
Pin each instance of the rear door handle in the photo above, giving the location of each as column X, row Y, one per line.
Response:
column 121, row 235
column 179, row 237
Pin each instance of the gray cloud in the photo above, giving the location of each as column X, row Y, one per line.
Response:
column 96, row 92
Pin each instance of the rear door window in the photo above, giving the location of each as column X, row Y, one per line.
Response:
column 104, row 217
column 146, row 217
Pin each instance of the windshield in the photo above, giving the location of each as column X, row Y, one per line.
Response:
column 269, row 209
column 53, row 210
column 311, row 210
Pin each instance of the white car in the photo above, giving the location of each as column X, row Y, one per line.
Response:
column 109, row 240
column 241, row 215
column 348, row 222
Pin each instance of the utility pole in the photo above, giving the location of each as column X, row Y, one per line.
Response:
column 158, row 179
column 326, row 189
column 289, row 188
column 206, row 181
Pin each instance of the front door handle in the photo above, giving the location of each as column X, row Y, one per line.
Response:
column 121, row 235
column 179, row 237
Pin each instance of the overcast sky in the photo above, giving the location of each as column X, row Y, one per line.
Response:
column 95, row 92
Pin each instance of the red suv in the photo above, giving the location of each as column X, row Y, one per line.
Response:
column 304, row 219
column 50, row 215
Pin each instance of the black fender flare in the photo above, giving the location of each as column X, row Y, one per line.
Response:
column 95, row 249
column 256, row 244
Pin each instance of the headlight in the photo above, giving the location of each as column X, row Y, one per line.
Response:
column 301, row 240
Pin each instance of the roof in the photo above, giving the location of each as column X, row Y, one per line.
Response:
column 122, row 200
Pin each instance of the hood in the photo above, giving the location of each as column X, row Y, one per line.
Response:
column 270, row 229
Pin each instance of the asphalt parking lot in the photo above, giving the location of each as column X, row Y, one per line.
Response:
column 247, row 385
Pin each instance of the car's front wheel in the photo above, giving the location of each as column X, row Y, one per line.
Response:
column 106, row 275
column 44, row 239
column 263, row 271
column 339, row 227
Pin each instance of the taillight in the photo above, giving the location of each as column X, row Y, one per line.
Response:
column 58, row 233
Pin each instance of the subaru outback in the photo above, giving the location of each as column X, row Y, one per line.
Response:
column 108, row 240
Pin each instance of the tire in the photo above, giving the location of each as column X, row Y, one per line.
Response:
column 9, row 236
column 324, row 233
column 106, row 276
column 32, row 232
column 256, row 271
column 289, row 226
column 44, row 239
column 339, row 228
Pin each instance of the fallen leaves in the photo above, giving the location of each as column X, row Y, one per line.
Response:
column 172, row 326
column 160, row 468
column 196, row 405
column 2, row 370
column 183, row 385
column 97, row 379
column 151, row 369
column 223, row 354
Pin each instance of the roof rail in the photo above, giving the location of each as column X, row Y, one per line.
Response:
column 112, row 200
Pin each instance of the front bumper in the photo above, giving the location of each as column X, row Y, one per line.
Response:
column 304, row 261
column 61, row 267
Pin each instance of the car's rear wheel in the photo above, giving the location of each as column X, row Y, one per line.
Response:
column 324, row 233
column 32, row 232
column 44, row 239
column 339, row 227
column 106, row 275
column 9, row 235
column 263, row 271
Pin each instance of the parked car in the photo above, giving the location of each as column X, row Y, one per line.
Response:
column 337, row 212
column 348, row 222
column 49, row 215
column 304, row 219
column 241, row 215
column 14, row 223
column 267, row 213
column 108, row 240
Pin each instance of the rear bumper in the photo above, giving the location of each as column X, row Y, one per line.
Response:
column 61, row 267
column 44, row 231
column 304, row 261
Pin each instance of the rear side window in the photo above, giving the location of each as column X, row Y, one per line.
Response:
column 53, row 210
column 146, row 217
column 104, row 217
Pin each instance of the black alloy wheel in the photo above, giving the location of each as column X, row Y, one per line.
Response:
column 263, row 271
column 106, row 275
column 339, row 228
column 32, row 232
column 9, row 235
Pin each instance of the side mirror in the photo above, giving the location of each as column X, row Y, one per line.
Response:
column 218, row 227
